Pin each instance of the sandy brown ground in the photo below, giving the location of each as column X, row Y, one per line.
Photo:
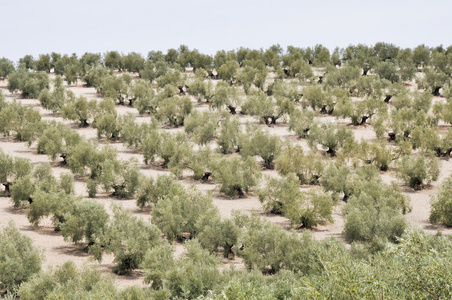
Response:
column 57, row 251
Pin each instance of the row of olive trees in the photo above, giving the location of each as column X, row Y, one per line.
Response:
column 417, row 267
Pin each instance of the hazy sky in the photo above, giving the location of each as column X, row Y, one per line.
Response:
column 43, row 26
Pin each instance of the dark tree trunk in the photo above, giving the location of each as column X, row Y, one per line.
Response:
column 436, row 91
column 64, row 157
column 232, row 109
column 7, row 187
column 268, row 163
column 84, row 123
column 331, row 152
column 320, row 80
column 206, row 176
column 286, row 72
column 363, row 120
column 392, row 136
column 239, row 191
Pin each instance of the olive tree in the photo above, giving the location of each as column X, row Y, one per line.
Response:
column 202, row 126
column 300, row 122
column 270, row 249
column 236, row 176
column 80, row 110
column 201, row 90
column 53, row 204
column 318, row 99
column 304, row 209
column 195, row 273
column 174, row 110
column 121, row 176
column 128, row 238
column 6, row 67
column 257, row 142
column 151, row 191
column 20, row 120
column 19, row 259
column 226, row 95
column 12, row 169
column 228, row 136
column 29, row 83
column 113, row 60
column 57, row 140
column 268, row 109
column 133, row 62
column 307, row 167
column 330, row 136
column 55, row 100
column 418, row 171
column 144, row 97
column 359, row 111
column 184, row 214
column 84, row 222
column 441, row 204
column 374, row 213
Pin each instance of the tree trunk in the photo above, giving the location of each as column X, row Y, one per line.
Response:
column 320, row 80
column 7, row 186
column 232, row 109
column 239, row 191
column 206, row 176
column 363, row 120
column 392, row 136
column 331, row 152
column 84, row 123
column 436, row 91
column 64, row 157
